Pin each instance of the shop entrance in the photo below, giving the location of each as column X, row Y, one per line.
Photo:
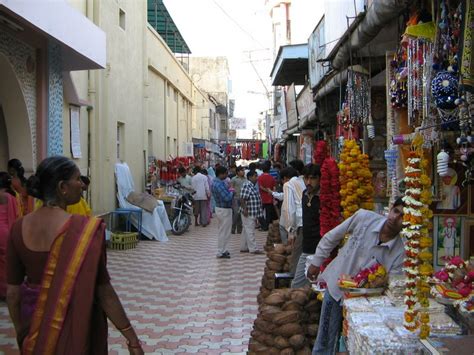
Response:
column 15, row 132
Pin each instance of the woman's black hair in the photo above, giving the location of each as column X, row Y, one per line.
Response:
column 6, row 182
column 50, row 172
column 20, row 170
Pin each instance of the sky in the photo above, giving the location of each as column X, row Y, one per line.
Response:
column 241, row 30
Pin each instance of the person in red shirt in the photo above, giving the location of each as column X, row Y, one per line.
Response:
column 266, row 184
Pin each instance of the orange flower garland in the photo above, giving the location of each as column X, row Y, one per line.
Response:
column 418, row 256
column 356, row 180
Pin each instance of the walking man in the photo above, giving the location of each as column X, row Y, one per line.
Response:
column 223, row 197
column 251, row 208
column 200, row 184
column 237, row 182
column 266, row 184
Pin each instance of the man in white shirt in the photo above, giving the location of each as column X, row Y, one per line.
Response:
column 285, row 175
column 200, row 184
column 293, row 210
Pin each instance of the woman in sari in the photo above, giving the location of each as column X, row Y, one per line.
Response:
column 59, row 292
column 16, row 170
column 8, row 215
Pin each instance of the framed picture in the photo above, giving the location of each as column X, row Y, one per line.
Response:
column 448, row 235
column 469, row 239
column 454, row 196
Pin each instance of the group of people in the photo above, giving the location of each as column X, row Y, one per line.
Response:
column 52, row 256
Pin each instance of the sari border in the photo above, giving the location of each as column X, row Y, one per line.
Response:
column 57, row 310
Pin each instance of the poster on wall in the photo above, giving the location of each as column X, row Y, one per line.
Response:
column 75, row 132
column 454, row 194
column 449, row 238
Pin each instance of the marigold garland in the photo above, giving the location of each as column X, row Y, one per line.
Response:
column 356, row 180
column 418, row 256
column 320, row 152
column 330, row 211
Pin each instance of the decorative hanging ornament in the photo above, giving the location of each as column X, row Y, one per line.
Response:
column 445, row 89
column 442, row 163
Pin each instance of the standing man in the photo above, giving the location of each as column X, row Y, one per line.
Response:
column 200, row 185
column 266, row 184
column 251, row 208
column 285, row 175
column 373, row 238
column 293, row 194
column 223, row 197
column 184, row 179
column 311, row 236
column 236, row 183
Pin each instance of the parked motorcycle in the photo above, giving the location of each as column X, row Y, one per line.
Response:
column 183, row 211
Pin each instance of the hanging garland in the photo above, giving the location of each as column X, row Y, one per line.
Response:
column 320, row 152
column 418, row 256
column 356, row 180
column 329, row 214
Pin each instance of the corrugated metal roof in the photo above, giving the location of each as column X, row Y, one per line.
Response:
column 160, row 19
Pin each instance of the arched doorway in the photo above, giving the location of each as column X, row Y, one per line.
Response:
column 15, row 131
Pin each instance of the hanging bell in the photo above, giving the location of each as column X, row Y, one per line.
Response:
column 442, row 163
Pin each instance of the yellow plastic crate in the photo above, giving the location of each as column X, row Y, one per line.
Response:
column 123, row 240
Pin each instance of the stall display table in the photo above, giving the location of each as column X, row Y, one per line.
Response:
column 128, row 212
column 374, row 325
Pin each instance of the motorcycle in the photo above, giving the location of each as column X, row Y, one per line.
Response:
column 183, row 211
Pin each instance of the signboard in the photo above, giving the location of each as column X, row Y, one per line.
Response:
column 305, row 103
column 75, row 132
column 291, row 112
column 231, row 107
column 237, row 123
column 316, row 51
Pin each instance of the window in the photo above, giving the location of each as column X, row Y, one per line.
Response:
column 120, row 140
column 122, row 19
column 175, row 95
column 150, row 143
column 168, row 90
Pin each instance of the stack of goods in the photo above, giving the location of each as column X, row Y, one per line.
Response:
column 356, row 180
column 374, row 325
column 287, row 323
column 455, row 281
column 278, row 261
column 396, row 289
column 273, row 236
column 371, row 277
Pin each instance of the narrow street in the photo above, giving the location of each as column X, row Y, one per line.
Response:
column 179, row 297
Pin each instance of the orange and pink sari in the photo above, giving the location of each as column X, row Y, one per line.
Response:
column 61, row 315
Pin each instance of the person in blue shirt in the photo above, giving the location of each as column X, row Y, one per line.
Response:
column 223, row 197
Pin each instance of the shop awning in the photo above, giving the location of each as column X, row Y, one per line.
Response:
column 291, row 65
column 160, row 19
column 82, row 43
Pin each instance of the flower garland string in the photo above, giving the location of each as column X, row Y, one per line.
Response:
column 356, row 180
column 329, row 214
column 418, row 256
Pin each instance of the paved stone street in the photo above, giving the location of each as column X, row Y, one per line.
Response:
column 180, row 298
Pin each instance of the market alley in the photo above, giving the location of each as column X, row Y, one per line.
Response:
column 179, row 297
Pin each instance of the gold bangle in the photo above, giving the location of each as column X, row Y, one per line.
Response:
column 128, row 327
column 138, row 346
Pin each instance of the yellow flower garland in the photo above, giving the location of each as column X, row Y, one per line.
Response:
column 356, row 180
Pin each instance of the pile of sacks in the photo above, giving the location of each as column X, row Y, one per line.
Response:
column 273, row 236
column 287, row 323
column 278, row 260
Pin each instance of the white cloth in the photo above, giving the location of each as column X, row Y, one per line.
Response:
column 200, row 184
column 154, row 225
column 247, row 238
column 224, row 220
column 292, row 203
